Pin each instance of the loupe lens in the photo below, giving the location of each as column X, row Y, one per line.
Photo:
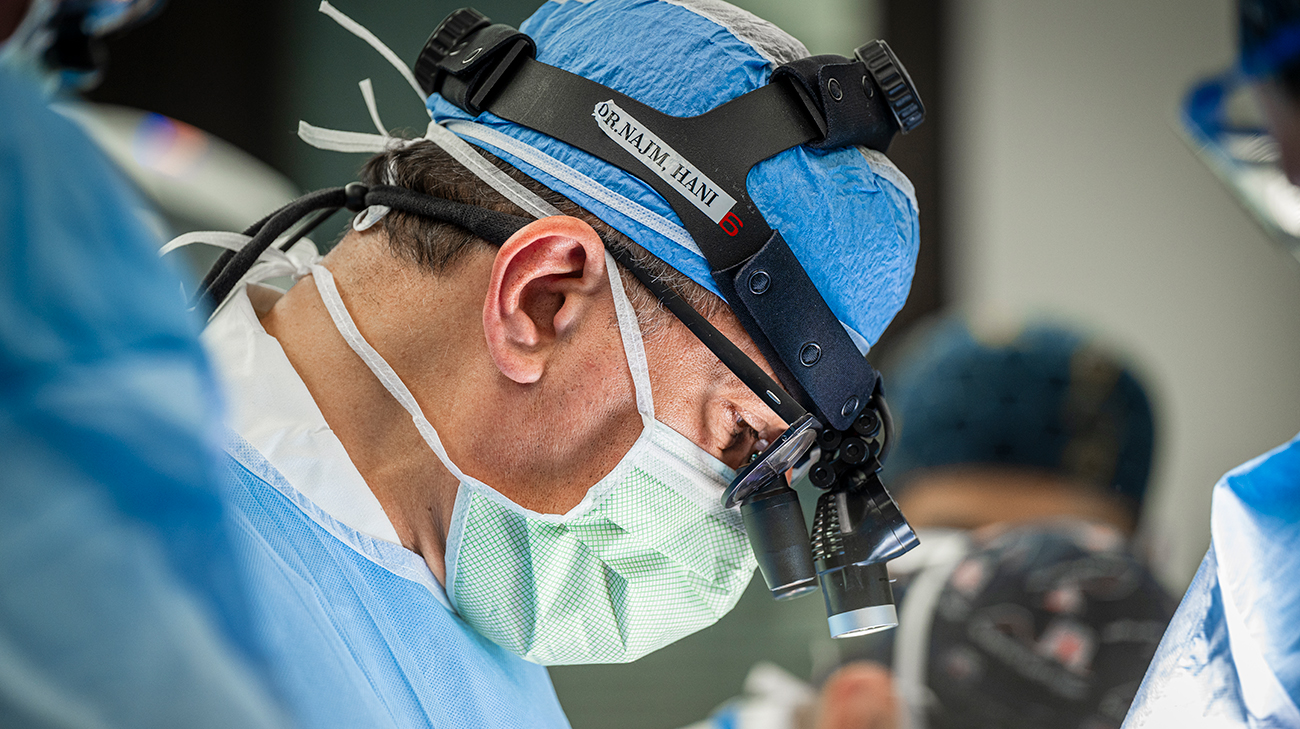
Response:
column 775, row 461
column 859, row 600
column 854, row 533
column 774, row 523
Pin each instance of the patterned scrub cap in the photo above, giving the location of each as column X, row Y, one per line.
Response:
column 1047, row 398
column 1044, row 626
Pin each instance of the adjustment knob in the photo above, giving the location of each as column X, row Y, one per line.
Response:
column 451, row 32
column 892, row 80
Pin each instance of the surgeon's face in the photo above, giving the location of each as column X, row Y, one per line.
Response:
column 525, row 368
column 696, row 395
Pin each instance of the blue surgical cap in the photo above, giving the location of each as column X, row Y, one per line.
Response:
column 849, row 215
column 1048, row 399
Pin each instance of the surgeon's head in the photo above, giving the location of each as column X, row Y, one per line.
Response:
column 1019, row 425
column 532, row 349
column 571, row 494
column 543, row 396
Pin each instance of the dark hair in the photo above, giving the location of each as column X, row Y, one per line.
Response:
column 1259, row 22
column 425, row 167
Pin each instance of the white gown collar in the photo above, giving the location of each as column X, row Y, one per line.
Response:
column 272, row 409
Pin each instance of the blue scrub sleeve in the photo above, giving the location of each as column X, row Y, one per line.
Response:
column 120, row 601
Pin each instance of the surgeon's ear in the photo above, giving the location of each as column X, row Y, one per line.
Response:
column 545, row 281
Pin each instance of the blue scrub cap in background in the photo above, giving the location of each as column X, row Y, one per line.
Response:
column 1047, row 398
column 849, row 215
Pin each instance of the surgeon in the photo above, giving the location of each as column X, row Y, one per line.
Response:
column 121, row 603
column 1231, row 656
column 473, row 440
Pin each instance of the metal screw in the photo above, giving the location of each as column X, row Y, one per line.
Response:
column 829, row 439
column 867, row 87
column 759, row 282
column 850, row 406
column 472, row 55
column 854, row 451
column 810, row 353
column 867, row 424
column 833, row 86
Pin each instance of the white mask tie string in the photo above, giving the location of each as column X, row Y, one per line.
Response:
column 361, row 32
column 383, row 371
column 368, row 93
column 273, row 263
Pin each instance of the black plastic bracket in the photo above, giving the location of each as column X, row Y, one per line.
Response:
column 466, row 57
column 815, row 350
column 847, row 97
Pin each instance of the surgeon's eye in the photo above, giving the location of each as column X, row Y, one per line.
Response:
column 745, row 443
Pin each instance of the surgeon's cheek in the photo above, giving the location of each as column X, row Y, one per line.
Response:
column 857, row 696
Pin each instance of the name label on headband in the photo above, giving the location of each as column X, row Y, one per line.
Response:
column 663, row 160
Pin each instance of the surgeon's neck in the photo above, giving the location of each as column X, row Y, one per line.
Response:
column 534, row 444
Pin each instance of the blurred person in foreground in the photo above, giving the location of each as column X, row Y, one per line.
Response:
column 1231, row 656
column 1022, row 461
column 120, row 605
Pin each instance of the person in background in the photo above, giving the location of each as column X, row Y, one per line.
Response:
column 120, row 601
column 1231, row 656
column 1038, row 625
column 1006, row 425
column 1022, row 460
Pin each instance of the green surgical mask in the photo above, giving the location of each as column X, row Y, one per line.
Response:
column 649, row 555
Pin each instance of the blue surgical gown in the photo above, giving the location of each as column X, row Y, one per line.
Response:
column 358, row 632
column 1231, row 655
column 120, row 600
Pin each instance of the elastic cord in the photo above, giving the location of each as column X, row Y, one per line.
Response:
column 223, row 262
column 264, row 234
column 320, row 216
column 492, row 226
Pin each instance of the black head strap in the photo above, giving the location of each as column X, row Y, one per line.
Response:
column 496, row 228
column 231, row 267
column 699, row 165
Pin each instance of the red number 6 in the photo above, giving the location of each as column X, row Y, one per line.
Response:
column 731, row 224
